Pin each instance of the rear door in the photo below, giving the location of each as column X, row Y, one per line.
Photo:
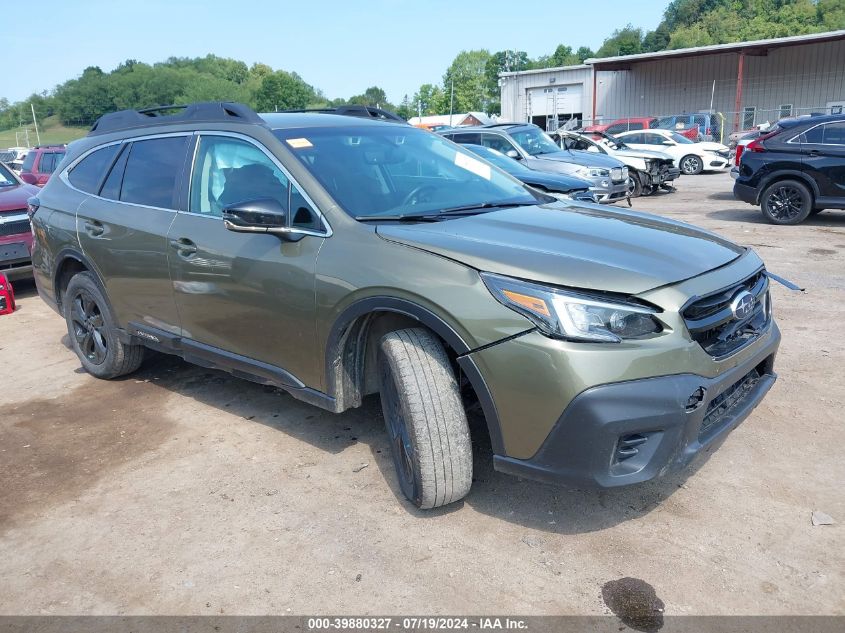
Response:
column 823, row 153
column 248, row 294
column 123, row 229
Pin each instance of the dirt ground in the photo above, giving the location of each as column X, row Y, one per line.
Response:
column 180, row 490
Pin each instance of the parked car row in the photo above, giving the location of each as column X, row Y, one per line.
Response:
column 536, row 150
column 648, row 170
column 696, row 126
column 34, row 165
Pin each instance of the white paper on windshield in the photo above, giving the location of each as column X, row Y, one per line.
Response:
column 473, row 165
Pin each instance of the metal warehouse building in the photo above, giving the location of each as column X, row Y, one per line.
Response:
column 749, row 82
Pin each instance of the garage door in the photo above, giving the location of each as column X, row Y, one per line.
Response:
column 553, row 100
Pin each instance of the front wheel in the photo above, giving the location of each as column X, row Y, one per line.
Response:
column 635, row 185
column 93, row 333
column 425, row 418
column 692, row 165
column 786, row 202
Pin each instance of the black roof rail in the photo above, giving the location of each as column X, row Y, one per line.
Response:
column 512, row 123
column 205, row 112
column 366, row 112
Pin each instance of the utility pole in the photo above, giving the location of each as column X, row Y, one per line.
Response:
column 451, row 102
column 37, row 135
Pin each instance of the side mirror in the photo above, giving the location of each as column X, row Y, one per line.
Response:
column 29, row 179
column 264, row 215
column 512, row 153
column 667, row 142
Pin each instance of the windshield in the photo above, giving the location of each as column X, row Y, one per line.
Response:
column 680, row 139
column 6, row 178
column 394, row 170
column 535, row 141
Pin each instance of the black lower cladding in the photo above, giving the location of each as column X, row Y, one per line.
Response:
column 630, row 432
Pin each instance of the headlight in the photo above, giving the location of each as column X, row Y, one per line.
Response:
column 593, row 172
column 572, row 315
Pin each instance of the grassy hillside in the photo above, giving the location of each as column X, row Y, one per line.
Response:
column 51, row 132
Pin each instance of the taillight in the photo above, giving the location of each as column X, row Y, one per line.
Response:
column 739, row 150
column 757, row 144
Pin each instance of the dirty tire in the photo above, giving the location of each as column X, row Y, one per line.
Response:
column 786, row 202
column 425, row 418
column 92, row 331
column 691, row 165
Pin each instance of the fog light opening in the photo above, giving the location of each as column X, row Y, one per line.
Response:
column 695, row 399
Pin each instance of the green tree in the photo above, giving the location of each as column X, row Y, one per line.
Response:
column 626, row 41
column 405, row 109
column 466, row 75
column 431, row 99
column 373, row 96
column 584, row 52
column 282, row 91
column 502, row 62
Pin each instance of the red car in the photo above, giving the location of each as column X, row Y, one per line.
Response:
column 15, row 233
column 41, row 162
column 639, row 123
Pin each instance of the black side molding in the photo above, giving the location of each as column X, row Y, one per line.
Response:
column 235, row 364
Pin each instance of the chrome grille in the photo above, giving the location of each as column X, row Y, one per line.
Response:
column 713, row 325
column 14, row 223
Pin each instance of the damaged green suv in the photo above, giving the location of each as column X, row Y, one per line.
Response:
column 336, row 257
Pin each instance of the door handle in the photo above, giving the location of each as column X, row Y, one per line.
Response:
column 185, row 246
column 813, row 153
column 94, row 228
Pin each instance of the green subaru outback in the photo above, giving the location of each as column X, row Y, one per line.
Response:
column 337, row 257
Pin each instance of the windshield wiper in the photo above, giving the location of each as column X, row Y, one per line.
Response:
column 405, row 217
column 468, row 208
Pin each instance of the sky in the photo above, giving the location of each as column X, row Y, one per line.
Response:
column 340, row 47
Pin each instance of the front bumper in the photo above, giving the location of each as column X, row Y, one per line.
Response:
column 715, row 161
column 612, row 192
column 630, row 432
column 15, row 259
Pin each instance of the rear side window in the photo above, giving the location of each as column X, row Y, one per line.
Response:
column 89, row 172
column 152, row 171
column 111, row 188
column 814, row 135
column 47, row 164
column 834, row 133
column 472, row 138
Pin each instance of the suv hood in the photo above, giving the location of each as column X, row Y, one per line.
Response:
column 578, row 157
column 574, row 246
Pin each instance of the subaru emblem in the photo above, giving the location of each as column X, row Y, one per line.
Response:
column 742, row 305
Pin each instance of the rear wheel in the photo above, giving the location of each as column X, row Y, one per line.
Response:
column 93, row 331
column 691, row 165
column 425, row 419
column 786, row 202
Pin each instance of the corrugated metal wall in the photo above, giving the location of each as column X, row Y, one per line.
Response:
column 806, row 77
column 515, row 89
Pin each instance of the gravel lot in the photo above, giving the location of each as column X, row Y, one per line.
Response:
column 181, row 490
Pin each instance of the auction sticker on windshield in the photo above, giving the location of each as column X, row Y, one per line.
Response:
column 473, row 165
